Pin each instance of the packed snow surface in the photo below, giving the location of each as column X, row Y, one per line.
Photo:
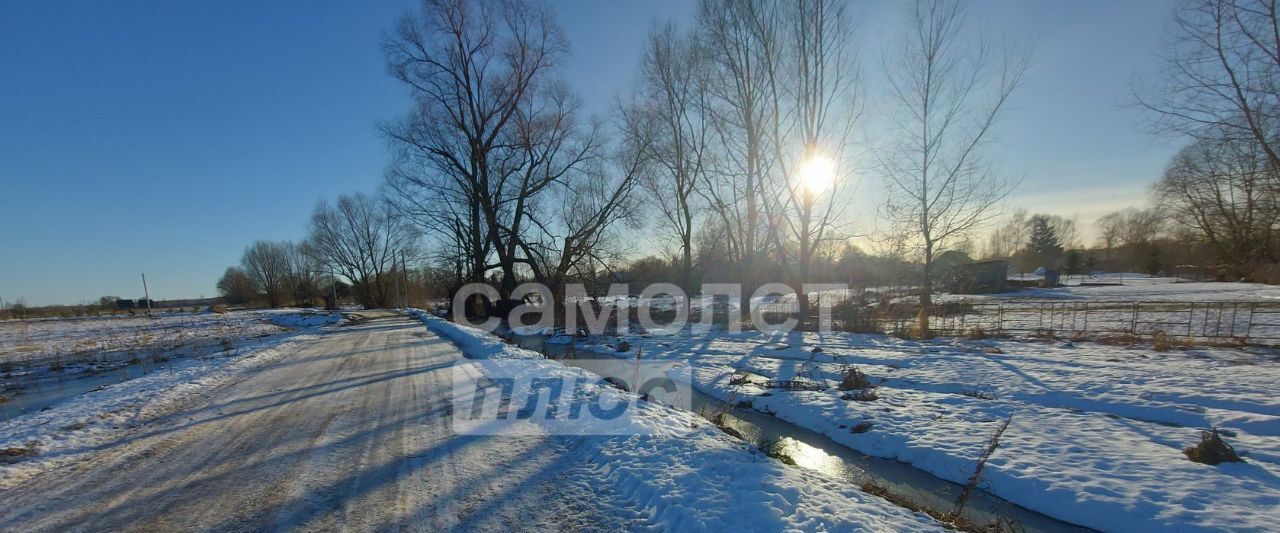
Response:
column 685, row 474
column 84, row 423
column 1097, row 431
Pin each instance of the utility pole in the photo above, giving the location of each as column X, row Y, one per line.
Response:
column 408, row 289
column 395, row 280
column 145, row 293
column 333, row 284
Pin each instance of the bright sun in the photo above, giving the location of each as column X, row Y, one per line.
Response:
column 817, row 174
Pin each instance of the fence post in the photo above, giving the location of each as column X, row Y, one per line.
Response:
column 1133, row 322
column 1191, row 317
column 1235, row 308
column 1248, row 330
column 1217, row 326
column 1000, row 318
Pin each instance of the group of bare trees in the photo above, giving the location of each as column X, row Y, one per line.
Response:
column 1217, row 206
column 756, row 107
column 737, row 141
column 275, row 272
column 359, row 237
column 739, row 147
column 366, row 242
column 1221, row 89
column 494, row 160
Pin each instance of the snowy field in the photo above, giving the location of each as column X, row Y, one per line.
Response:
column 677, row 472
column 84, row 422
column 77, row 338
column 93, row 395
column 1097, row 431
column 1134, row 287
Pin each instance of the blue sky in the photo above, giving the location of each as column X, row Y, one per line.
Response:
column 166, row 136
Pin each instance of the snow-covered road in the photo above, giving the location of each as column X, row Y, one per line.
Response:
column 348, row 432
column 349, row 428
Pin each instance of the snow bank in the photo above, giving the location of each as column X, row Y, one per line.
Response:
column 684, row 474
column 1097, row 432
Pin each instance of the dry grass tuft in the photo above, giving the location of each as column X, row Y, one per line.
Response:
column 860, row 395
column 853, row 379
column 1163, row 342
column 15, row 454
column 1212, row 450
column 981, row 393
column 794, row 384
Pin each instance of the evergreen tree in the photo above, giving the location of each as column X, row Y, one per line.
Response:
column 1044, row 245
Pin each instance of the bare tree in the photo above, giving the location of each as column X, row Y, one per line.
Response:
column 948, row 95
column 669, row 108
column 1222, row 74
column 815, row 109
column 1141, row 226
column 1110, row 229
column 592, row 204
column 268, row 264
column 492, row 128
column 305, row 271
column 1008, row 236
column 363, row 240
column 782, row 108
column 741, row 39
column 1221, row 191
column 236, row 287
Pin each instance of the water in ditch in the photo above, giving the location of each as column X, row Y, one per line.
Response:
column 37, row 387
column 814, row 451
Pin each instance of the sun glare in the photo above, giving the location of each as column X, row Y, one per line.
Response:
column 817, row 174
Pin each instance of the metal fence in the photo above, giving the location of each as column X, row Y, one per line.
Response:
column 1236, row 322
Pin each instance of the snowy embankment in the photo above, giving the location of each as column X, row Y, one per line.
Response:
column 33, row 442
column 33, row 341
column 1097, row 431
column 682, row 472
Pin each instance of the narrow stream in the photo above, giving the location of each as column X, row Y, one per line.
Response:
column 818, row 452
column 44, row 388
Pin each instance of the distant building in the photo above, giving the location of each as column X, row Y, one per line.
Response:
column 980, row 277
column 140, row 303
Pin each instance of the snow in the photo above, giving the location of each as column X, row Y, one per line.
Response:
column 86, row 422
column 43, row 340
column 1142, row 288
column 304, row 320
column 684, row 473
column 198, row 350
column 1097, row 432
